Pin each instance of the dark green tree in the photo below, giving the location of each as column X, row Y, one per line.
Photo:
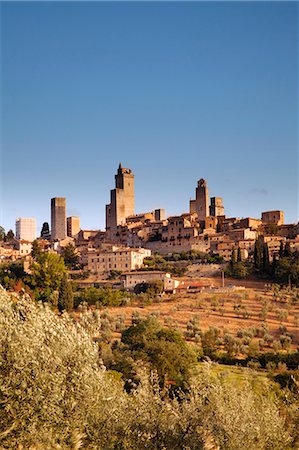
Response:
column 281, row 249
column 66, row 297
column 71, row 258
column 164, row 349
column 239, row 256
column 209, row 341
column 2, row 233
column 258, row 255
column 36, row 250
column 151, row 287
column 266, row 261
column 233, row 259
column 274, row 265
column 287, row 269
column 46, row 275
column 287, row 250
column 10, row 235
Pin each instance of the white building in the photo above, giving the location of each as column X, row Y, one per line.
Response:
column 26, row 229
column 117, row 258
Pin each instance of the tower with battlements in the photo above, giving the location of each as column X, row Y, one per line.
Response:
column 122, row 200
column 202, row 200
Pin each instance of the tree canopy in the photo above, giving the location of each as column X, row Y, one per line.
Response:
column 70, row 256
column 56, row 393
column 47, row 273
column 165, row 350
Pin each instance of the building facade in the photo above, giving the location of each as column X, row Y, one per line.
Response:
column 26, row 229
column 58, row 218
column 273, row 217
column 73, row 226
column 216, row 207
column 117, row 258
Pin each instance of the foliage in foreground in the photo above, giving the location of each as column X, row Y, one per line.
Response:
column 56, row 393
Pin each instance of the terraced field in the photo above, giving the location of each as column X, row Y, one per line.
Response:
column 230, row 310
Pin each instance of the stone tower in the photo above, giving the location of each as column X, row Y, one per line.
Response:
column 58, row 218
column 216, row 207
column 122, row 199
column 202, row 200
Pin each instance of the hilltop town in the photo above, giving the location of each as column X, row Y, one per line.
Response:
column 129, row 238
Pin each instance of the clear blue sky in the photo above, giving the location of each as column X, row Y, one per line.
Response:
column 175, row 91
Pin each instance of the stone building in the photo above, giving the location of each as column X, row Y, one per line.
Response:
column 73, row 226
column 273, row 217
column 192, row 206
column 58, row 218
column 116, row 258
column 122, row 200
column 216, row 207
column 273, row 243
column 242, row 233
column 211, row 222
column 202, row 200
column 159, row 214
column 178, row 230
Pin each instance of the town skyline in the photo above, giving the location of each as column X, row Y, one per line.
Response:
column 176, row 91
column 73, row 211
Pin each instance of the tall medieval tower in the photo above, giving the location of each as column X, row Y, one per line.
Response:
column 58, row 218
column 122, row 200
column 202, row 200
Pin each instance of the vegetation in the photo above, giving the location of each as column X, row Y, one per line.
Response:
column 70, row 256
column 283, row 270
column 151, row 288
column 36, row 251
column 2, row 233
column 287, row 269
column 47, row 272
column 56, row 393
column 157, row 262
column 162, row 349
column 106, row 296
column 11, row 274
column 66, row 297
column 238, row 269
column 6, row 237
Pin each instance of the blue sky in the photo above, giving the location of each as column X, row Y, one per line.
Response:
column 175, row 91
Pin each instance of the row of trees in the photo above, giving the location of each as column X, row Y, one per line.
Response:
column 6, row 237
column 283, row 269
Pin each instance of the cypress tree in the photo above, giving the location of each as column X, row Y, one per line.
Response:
column 36, row 250
column 287, row 250
column 266, row 261
column 66, row 297
column 281, row 250
column 233, row 258
column 239, row 257
column 258, row 257
column 274, row 265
